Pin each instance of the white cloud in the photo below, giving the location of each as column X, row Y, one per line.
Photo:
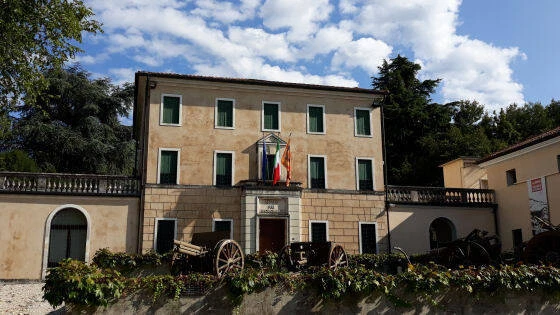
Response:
column 122, row 75
column 326, row 40
column 261, row 43
column 367, row 53
column 226, row 12
column 302, row 18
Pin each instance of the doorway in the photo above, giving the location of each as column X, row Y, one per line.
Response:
column 68, row 236
column 272, row 234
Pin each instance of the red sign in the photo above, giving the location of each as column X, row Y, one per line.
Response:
column 536, row 184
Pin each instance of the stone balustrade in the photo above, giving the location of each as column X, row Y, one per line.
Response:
column 441, row 196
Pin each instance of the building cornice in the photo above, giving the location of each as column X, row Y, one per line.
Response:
column 519, row 152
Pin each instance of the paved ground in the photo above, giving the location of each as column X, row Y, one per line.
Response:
column 25, row 297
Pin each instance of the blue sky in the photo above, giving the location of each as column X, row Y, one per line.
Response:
column 495, row 52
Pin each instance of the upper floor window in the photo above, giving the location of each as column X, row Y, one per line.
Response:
column 318, row 231
column 511, row 177
column 364, row 173
column 362, row 122
column 223, row 168
column 270, row 116
column 170, row 113
column 168, row 166
column 317, row 172
column 316, row 119
column 224, row 114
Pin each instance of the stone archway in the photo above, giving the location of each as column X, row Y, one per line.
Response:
column 441, row 231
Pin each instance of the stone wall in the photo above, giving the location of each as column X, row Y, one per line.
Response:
column 344, row 211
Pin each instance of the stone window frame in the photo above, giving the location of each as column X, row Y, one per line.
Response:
column 178, row 150
column 218, row 219
column 357, row 171
column 356, row 134
column 360, row 223
column 214, row 173
column 309, row 156
column 156, row 229
column 279, row 116
column 324, row 120
column 326, row 228
column 511, row 177
column 161, row 123
column 216, row 126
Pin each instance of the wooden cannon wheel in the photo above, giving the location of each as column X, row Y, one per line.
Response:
column 229, row 258
column 337, row 257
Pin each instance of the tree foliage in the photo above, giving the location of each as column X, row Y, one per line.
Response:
column 421, row 135
column 72, row 126
column 38, row 36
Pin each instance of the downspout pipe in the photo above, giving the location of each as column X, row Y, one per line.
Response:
column 385, row 174
column 142, row 140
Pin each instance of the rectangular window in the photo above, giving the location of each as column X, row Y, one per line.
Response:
column 168, row 166
column 558, row 162
column 511, row 177
column 270, row 166
column 271, row 116
column 364, row 170
column 223, row 225
column 317, row 172
column 316, row 119
column 171, row 110
column 223, row 168
column 362, row 122
column 517, row 235
column 368, row 238
column 318, row 231
column 166, row 232
column 224, row 113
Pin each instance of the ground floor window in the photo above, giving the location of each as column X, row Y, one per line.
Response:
column 223, row 225
column 165, row 233
column 68, row 236
column 368, row 238
column 442, row 231
column 318, row 231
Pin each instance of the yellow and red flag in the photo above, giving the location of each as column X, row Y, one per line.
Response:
column 287, row 162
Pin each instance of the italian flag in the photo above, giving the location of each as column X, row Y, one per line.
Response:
column 276, row 175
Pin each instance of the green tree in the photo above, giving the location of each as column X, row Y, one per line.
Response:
column 38, row 36
column 73, row 125
column 415, row 128
column 17, row 161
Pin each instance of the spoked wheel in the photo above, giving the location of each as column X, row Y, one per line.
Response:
column 337, row 257
column 229, row 258
column 286, row 257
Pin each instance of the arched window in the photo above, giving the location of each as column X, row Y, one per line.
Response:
column 442, row 231
column 68, row 236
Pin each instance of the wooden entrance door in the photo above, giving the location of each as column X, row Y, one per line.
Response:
column 272, row 234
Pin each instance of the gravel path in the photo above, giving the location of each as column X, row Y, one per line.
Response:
column 25, row 297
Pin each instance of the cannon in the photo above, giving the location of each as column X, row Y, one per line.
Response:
column 211, row 252
column 543, row 247
column 298, row 255
column 477, row 248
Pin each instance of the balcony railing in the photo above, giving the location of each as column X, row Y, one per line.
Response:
column 441, row 196
column 71, row 184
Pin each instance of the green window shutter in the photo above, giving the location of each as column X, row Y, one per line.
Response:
column 315, row 119
column 225, row 113
column 222, row 226
column 318, row 232
column 317, row 170
column 171, row 110
column 363, row 122
column 223, row 169
column 168, row 167
column 271, row 116
column 365, row 175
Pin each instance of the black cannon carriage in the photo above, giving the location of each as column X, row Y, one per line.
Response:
column 212, row 252
column 299, row 255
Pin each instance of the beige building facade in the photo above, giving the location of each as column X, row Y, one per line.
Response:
column 210, row 133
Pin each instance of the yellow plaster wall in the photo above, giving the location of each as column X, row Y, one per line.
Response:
column 114, row 224
column 197, row 138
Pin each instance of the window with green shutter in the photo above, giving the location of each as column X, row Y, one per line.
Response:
column 168, row 167
column 365, row 175
column 318, row 231
column 271, row 116
column 317, row 172
column 224, row 113
column 224, row 169
column 171, row 110
column 315, row 119
column 363, row 127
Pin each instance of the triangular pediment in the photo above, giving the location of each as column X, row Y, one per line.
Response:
column 271, row 139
